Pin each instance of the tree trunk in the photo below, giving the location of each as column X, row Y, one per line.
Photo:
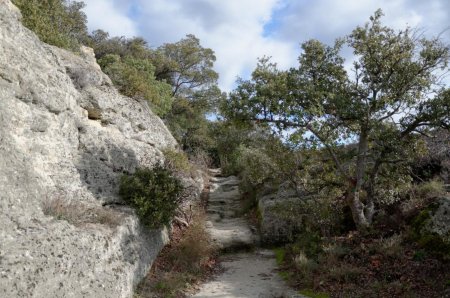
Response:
column 362, row 214
column 357, row 208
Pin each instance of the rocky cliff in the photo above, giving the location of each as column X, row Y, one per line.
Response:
column 66, row 136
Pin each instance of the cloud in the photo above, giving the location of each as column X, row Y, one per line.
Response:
column 328, row 19
column 240, row 31
column 233, row 29
column 110, row 16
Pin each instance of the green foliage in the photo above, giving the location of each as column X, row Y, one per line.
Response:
column 280, row 254
column 309, row 243
column 176, row 161
column 255, row 167
column 419, row 255
column 320, row 106
column 135, row 78
column 129, row 64
column 187, row 66
column 284, row 275
column 153, row 193
column 189, row 126
column 429, row 189
column 177, row 79
column 61, row 23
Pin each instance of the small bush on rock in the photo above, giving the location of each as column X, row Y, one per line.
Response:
column 176, row 161
column 154, row 193
column 61, row 23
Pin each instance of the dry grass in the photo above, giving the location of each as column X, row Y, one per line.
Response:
column 387, row 266
column 391, row 246
column 79, row 214
column 187, row 260
column 420, row 195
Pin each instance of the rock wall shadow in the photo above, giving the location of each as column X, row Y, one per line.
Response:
column 100, row 167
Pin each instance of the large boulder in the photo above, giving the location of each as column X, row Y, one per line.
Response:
column 439, row 222
column 432, row 227
column 280, row 213
column 66, row 135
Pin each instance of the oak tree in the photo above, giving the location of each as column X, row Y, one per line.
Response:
column 375, row 112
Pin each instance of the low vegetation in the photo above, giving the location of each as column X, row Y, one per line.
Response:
column 57, row 22
column 184, row 263
column 365, row 152
column 387, row 267
column 154, row 193
column 177, row 161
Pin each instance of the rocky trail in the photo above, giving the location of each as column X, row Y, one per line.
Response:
column 249, row 271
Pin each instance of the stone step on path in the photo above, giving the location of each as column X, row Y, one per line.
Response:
column 246, row 274
column 227, row 229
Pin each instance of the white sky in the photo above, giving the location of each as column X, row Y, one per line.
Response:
column 240, row 31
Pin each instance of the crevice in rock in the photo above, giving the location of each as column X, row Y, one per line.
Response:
column 94, row 114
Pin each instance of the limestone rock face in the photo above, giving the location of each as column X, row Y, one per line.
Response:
column 66, row 134
column 279, row 220
column 228, row 229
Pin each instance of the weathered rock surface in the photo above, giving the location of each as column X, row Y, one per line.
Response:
column 279, row 221
column 225, row 225
column 248, row 275
column 439, row 221
column 65, row 133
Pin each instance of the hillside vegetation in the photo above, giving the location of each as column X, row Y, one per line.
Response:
column 364, row 154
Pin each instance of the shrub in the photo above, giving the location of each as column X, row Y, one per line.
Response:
column 391, row 246
column 202, row 159
column 57, row 22
column 154, row 193
column 346, row 273
column 418, row 196
column 257, row 167
column 194, row 249
column 186, row 261
column 429, row 189
column 280, row 255
column 135, row 78
column 309, row 243
column 176, row 161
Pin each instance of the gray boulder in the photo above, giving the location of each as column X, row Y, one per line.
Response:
column 439, row 220
column 280, row 215
column 66, row 135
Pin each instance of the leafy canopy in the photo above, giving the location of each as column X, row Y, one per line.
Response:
column 128, row 63
column 187, row 66
column 57, row 22
column 392, row 94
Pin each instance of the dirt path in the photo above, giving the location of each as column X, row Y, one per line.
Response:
column 246, row 274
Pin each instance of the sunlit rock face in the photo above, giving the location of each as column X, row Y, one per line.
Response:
column 66, row 136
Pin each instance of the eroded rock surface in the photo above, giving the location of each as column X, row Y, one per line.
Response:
column 439, row 221
column 228, row 229
column 66, row 134
column 280, row 219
